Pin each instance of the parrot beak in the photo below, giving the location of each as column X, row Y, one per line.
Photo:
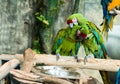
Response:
column 75, row 23
column 71, row 25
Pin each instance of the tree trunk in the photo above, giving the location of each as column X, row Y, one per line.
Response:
column 56, row 12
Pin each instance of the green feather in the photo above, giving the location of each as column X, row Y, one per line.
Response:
column 94, row 42
column 66, row 43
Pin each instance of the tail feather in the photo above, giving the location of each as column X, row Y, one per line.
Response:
column 107, row 26
column 105, row 29
column 105, row 74
column 105, row 77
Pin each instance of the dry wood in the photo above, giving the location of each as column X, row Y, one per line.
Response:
column 25, row 76
column 31, row 78
column 96, row 64
column 49, row 78
column 26, row 81
column 28, row 60
column 10, row 57
column 3, row 80
column 5, row 69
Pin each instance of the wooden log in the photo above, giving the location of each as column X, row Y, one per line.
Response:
column 10, row 57
column 96, row 64
column 28, row 60
column 65, row 61
column 26, row 81
column 19, row 74
column 3, row 80
column 5, row 69
column 32, row 78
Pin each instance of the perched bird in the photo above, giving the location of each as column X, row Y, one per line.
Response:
column 66, row 43
column 110, row 10
column 89, row 35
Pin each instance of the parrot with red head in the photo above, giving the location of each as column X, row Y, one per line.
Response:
column 91, row 39
column 66, row 43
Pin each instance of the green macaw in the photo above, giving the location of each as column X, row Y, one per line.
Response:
column 66, row 43
column 91, row 38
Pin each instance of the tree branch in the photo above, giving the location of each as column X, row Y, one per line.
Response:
column 65, row 61
column 5, row 69
column 32, row 78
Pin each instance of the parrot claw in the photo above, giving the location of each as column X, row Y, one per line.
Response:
column 76, row 58
column 57, row 56
column 86, row 59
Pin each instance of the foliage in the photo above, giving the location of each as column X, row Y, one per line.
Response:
column 36, row 46
column 45, row 15
column 42, row 19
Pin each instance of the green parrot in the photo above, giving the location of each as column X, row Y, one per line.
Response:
column 91, row 38
column 65, row 43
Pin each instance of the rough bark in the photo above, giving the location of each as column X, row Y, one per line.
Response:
column 31, row 78
column 5, row 69
column 96, row 64
column 28, row 60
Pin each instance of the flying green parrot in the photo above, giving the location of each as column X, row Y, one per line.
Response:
column 91, row 38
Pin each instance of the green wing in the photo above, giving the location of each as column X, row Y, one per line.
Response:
column 65, row 42
column 102, row 53
column 58, row 40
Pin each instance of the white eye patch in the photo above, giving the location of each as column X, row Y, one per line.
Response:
column 71, row 25
column 74, row 20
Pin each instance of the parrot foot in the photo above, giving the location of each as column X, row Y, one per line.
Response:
column 76, row 58
column 58, row 56
column 86, row 59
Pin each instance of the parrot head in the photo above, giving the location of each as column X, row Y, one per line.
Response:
column 81, row 34
column 78, row 20
column 72, row 22
column 75, row 19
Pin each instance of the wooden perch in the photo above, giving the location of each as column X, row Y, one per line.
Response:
column 35, row 79
column 28, row 60
column 65, row 61
column 5, row 69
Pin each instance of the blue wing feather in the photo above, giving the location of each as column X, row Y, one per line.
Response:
column 118, row 77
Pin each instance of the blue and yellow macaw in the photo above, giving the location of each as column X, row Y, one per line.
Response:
column 110, row 10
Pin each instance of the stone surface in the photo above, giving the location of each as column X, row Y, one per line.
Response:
column 16, row 24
